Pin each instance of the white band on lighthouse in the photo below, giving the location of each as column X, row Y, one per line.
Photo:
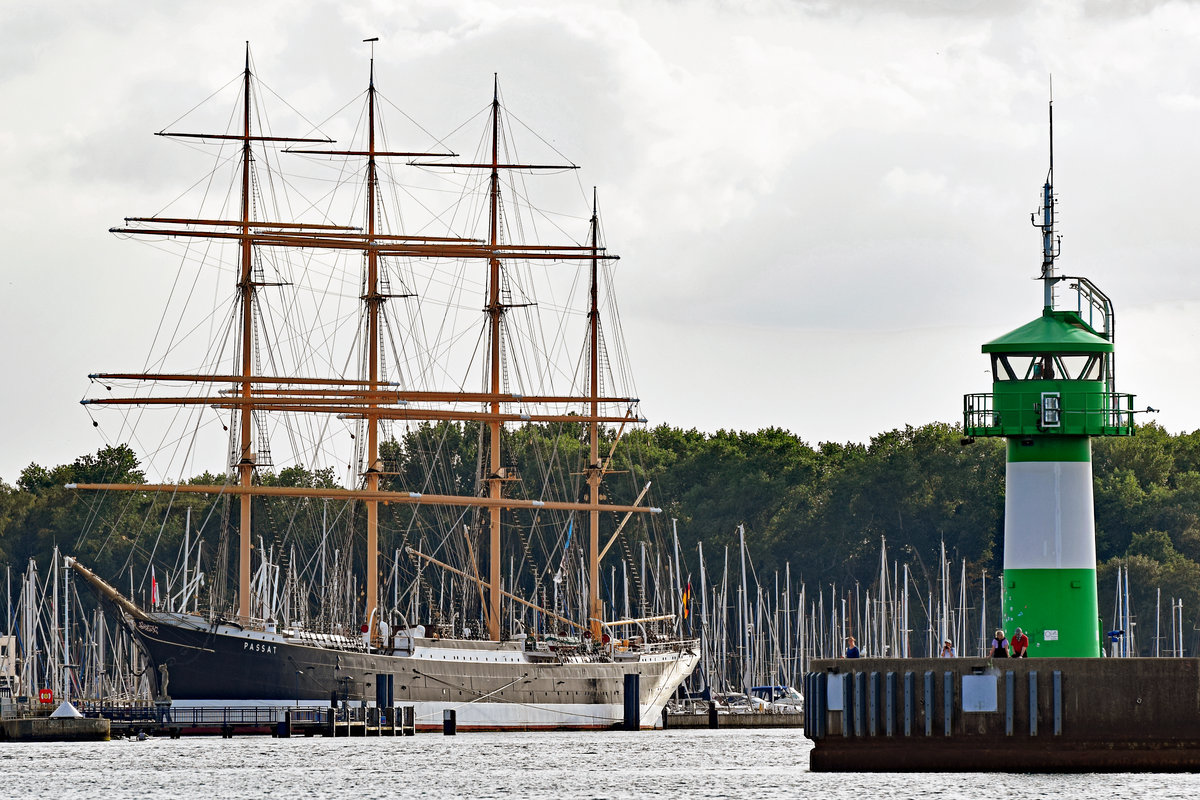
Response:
column 1049, row 519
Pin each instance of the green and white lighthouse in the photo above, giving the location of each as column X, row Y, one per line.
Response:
column 1053, row 390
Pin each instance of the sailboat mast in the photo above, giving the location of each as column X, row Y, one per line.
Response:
column 372, row 298
column 245, row 459
column 495, row 311
column 595, row 470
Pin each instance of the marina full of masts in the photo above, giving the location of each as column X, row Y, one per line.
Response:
column 755, row 630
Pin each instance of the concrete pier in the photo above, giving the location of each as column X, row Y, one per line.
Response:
column 1015, row 715
column 46, row 729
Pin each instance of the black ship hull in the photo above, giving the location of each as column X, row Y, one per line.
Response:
column 489, row 685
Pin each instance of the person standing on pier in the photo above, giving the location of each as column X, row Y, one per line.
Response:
column 1000, row 645
column 1020, row 645
column 851, row 648
column 948, row 650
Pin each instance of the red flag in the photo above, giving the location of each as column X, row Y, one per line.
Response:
column 153, row 588
column 687, row 600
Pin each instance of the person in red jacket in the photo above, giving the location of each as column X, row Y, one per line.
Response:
column 1020, row 645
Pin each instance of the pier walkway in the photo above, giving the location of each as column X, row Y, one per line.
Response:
column 229, row 721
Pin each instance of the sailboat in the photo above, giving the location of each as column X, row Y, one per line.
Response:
column 513, row 661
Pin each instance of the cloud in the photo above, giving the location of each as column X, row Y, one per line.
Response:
column 834, row 193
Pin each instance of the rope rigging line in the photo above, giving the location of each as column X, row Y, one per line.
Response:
column 235, row 79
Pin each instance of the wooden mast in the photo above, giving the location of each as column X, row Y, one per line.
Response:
column 247, row 239
column 246, row 459
column 495, row 312
column 374, row 244
column 595, row 471
column 372, row 298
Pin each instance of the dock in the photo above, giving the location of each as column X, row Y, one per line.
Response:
column 275, row 721
column 713, row 720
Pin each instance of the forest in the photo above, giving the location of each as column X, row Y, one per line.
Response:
column 823, row 510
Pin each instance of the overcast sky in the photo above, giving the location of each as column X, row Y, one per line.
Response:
column 822, row 208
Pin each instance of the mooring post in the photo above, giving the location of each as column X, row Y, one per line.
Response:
column 633, row 712
column 449, row 722
column 410, row 720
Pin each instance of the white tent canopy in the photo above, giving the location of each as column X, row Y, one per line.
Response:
column 66, row 711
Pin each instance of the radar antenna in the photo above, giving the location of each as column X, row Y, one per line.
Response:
column 1051, row 242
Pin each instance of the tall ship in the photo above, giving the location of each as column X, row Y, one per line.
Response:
column 460, row 563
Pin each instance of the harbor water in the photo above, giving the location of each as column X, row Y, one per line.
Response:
column 675, row 764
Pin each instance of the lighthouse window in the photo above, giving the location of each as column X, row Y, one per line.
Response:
column 1048, row 367
column 1011, row 367
column 1043, row 368
column 1082, row 367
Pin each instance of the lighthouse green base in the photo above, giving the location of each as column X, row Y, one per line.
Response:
column 1056, row 609
column 1050, row 546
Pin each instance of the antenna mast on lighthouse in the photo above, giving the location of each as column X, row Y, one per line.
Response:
column 1051, row 244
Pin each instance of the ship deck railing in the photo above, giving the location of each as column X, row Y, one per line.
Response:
column 347, row 641
column 668, row 646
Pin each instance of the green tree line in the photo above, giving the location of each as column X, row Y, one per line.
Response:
column 822, row 509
